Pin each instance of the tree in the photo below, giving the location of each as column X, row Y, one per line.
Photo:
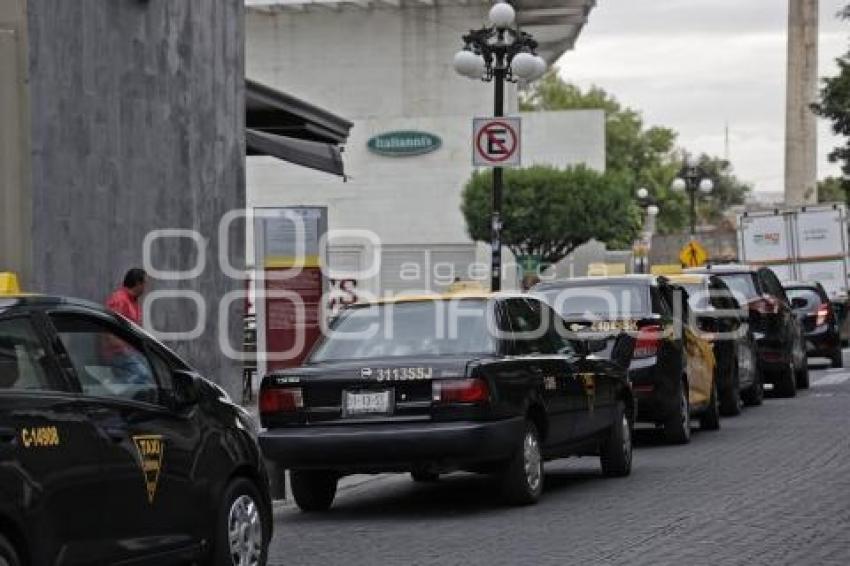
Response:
column 549, row 212
column 834, row 105
column 833, row 189
column 643, row 157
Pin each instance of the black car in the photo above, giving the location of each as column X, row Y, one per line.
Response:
column 113, row 450
column 779, row 336
column 435, row 384
column 725, row 323
column 818, row 318
column 670, row 366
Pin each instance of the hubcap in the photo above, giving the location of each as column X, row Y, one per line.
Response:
column 533, row 461
column 686, row 414
column 245, row 532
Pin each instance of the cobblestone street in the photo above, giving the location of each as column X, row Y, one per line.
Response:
column 771, row 487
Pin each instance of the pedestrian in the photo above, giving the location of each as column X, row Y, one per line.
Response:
column 118, row 353
column 126, row 300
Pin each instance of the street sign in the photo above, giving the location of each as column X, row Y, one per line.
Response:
column 496, row 142
column 693, row 254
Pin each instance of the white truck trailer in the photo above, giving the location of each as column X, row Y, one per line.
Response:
column 808, row 243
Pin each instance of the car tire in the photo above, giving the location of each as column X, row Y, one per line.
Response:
column 731, row 404
column 837, row 359
column 243, row 529
column 314, row 491
column 422, row 476
column 522, row 477
column 754, row 395
column 8, row 556
column 785, row 382
column 677, row 428
column 615, row 451
column 710, row 417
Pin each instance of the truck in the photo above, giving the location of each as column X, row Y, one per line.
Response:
column 804, row 243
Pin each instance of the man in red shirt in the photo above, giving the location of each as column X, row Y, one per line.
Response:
column 125, row 301
column 119, row 354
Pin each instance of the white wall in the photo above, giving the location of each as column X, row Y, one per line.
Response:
column 389, row 70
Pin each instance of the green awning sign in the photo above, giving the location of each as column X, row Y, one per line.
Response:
column 404, row 143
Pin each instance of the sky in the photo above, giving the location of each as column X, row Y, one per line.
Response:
column 696, row 65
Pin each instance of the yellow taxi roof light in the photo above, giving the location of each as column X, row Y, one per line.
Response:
column 9, row 284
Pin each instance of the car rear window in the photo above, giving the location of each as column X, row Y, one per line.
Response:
column 741, row 284
column 607, row 301
column 421, row 328
column 812, row 298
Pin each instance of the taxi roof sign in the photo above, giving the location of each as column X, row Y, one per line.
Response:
column 9, row 284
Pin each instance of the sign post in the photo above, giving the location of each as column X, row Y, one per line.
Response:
column 496, row 143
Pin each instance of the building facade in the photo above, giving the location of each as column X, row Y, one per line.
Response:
column 388, row 68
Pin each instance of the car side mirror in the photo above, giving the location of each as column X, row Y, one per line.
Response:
column 798, row 303
column 186, row 389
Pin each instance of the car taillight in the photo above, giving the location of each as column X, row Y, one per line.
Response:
column 821, row 314
column 473, row 390
column 284, row 400
column 648, row 341
column 765, row 305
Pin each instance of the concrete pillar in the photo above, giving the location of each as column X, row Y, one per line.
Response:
column 800, row 121
column 15, row 205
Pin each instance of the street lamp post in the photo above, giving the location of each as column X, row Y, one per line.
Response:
column 499, row 53
column 693, row 179
column 650, row 212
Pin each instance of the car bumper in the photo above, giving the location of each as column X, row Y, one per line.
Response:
column 822, row 342
column 656, row 398
column 392, row 446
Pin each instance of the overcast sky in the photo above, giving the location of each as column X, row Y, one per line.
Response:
column 694, row 65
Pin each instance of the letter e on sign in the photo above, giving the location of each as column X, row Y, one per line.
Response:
column 496, row 142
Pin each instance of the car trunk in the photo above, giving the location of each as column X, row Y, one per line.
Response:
column 365, row 391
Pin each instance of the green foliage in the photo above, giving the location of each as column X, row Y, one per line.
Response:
column 641, row 156
column 833, row 189
column 550, row 212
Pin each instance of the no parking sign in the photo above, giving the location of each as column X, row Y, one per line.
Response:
column 496, row 142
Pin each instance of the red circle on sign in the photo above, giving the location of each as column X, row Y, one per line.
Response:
column 486, row 130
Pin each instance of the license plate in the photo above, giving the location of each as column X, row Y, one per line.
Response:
column 367, row 403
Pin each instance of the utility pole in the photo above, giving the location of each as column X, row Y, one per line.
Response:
column 802, row 91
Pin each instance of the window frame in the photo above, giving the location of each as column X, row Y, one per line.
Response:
column 126, row 333
column 55, row 375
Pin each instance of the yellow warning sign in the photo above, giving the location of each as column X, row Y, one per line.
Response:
column 151, row 449
column 693, row 254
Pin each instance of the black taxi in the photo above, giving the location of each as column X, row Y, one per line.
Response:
column 112, row 450
column 433, row 384
column 670, row 366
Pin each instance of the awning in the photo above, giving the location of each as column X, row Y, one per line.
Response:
column 293, row 130
column 315, row 155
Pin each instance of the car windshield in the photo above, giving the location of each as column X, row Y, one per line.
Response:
column 608, row 301
column 698, row 296
column 421, row 328
column 741, row 284
column 812, row 298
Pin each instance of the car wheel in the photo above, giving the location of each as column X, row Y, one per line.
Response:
column 242, row 531
column 710, row 418
column 731, row 404
column 522, row 478
column 423, row 476
column 754, row 396
column 802, row 370
column 837, row 358
column 615, row 452
column 677, row 429
column 785, row 382
column 313, row 490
